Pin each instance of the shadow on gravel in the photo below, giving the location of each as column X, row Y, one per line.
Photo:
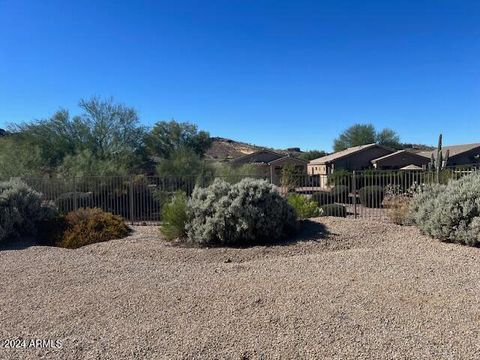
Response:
column 311, row 231
column 18, row 243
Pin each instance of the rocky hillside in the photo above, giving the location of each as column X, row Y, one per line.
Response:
column 223, row 149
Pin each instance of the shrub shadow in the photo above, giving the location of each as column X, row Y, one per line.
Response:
column 20, row 243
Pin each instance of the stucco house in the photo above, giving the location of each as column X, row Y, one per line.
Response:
column 465, row 154
column 400, row 159
column 272, row 162
column 354, row 158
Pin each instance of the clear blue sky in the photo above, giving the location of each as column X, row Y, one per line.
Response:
column 275, row 73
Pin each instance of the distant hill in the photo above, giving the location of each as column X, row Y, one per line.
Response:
column 3, row 132
column 223, row 149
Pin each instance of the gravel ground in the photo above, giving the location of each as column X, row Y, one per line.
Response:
column 366, row 290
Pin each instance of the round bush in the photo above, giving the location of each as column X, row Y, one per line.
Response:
column 21, row 208
column 371, row 196
column 83, row 227
column 248, row 212
column 304, row 207
column 450, row 213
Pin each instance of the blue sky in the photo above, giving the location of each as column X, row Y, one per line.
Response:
column 274, row 73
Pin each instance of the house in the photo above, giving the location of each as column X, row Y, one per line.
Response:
column 400, row 159
column 466, row 154
column 272, row 162
column 354, row 158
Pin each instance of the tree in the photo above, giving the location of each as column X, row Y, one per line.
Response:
column 167, row 137
column 358, row 134
column 183, row 162
column 363, row 134
column 106, row 132
column 388, row 137
column 312, row 154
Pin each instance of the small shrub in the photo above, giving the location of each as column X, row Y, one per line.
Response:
column 334, row 210
column 250, row 211
column 21, row 208
column 174, row 216
column 371, row 196
column 304, row 208
column 450, row 213
column 398, row 209
column 88, row 226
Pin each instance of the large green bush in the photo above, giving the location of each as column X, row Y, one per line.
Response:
column 250, row 211
column 174, row 216
column 450, row 213
column 304, row 208
column 21, row 208
column 371, row 196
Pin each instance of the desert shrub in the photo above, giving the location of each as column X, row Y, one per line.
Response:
column 250, row 211
column 88, row 226
column 371, row 196
column 450, row 212
column 174, row 216
column 333, row 210
column 304, row 208
column 21, row 208
column 398, row 208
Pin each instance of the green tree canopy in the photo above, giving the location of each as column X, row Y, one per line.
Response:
column 362, row 134
column 104, row 132
column 312, row 154
column 167, row 137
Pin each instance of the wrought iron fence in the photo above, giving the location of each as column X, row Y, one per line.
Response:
column 139, row 199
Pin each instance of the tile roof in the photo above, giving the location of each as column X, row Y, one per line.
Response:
column 340, row 154
column 454, row 149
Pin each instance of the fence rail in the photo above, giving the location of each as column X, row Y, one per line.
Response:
column 139, row 199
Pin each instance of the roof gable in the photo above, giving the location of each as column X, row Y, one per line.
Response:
column 347, row 152
column 454, row 150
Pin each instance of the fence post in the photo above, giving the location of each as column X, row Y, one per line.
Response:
column 75, row 195
column 354, row 191
column 132, row 214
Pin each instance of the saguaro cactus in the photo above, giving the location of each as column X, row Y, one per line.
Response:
column 439, row 162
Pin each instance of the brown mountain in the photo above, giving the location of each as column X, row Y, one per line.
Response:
column 223, row 149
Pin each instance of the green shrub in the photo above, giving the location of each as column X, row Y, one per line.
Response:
column 87, row 226
column 450, row 213
column 250, row 211
column 174, row 216
column 333, row 210
column 371, row 196
column 304, row 208
column 21, row 208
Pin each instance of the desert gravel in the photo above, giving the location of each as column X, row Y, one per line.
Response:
column 365, row 290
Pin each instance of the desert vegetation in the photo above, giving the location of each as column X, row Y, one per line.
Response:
column 450, row 212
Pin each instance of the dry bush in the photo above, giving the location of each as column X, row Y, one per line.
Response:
column 83, row 227
column 398, row 209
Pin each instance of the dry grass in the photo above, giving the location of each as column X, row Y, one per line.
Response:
column 368, row 291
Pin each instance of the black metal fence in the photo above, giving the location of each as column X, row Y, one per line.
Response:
column 139, row 199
